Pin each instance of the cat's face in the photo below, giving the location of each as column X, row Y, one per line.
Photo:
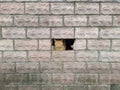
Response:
column 58, row 42
column 59, row 45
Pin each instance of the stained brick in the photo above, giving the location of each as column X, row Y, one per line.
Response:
column 11, row 8
column 37, row 8
column 28, row 67
column 62, row 8
column 35, row 78
column 52, row 87
column 29, row 87
column 105, row 79
column 109, row 79
column 115, row 68
column 75, row 87
column 115, row 78
column 46, row 78
column 10, row 87
column 51, row 67
column 97, row 67
column 16, row 79
column 87, row 8
column 7, row 68
column 86, row 79
column 99, row 87
column 67, row 78
column 76, row 67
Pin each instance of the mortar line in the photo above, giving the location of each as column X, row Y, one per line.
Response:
column 111, row 42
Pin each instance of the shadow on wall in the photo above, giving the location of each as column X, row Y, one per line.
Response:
column 115, row 87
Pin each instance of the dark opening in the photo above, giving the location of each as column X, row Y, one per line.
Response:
column 62, row 44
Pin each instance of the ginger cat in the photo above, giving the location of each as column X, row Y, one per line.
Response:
column 59, row 45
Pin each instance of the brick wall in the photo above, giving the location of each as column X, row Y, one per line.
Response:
column 27, row 61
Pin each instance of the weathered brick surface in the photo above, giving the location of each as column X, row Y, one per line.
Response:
column 7, row 68
column 79, row 44
column 45, row 44
column 38, row 33
column 6, row 44
column 15, row 56
column 86, row 32
column 28, row 60
column 26, row 20
column 87, row 8
column 86, row 55
column 110, row 8
column 75, row 20
column 115, row 67
column 51, row 20
column 109, row 79
column 66, row 78
column 26, row 44
column 109, row 33
column 51, row 67
column 109, row 56
column 116, row 20
column 100, row 20
column 62, row 32
column 37, row 8
column 13, row 32
column 62, row 8
column 6, row 20
column 116, row 44
column 94, row 67
column 39, row 55
column 99, row 87
column 11, row 8
column 99, row 44
column 86, row 79
column 63, row 55
column 28, row 67
column 77, row 67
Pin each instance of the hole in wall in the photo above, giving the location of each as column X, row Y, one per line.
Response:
column 62, row 44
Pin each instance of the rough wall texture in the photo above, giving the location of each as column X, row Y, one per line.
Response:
column 27, row 61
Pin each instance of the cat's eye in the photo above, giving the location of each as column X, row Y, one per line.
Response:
column 62, row 44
